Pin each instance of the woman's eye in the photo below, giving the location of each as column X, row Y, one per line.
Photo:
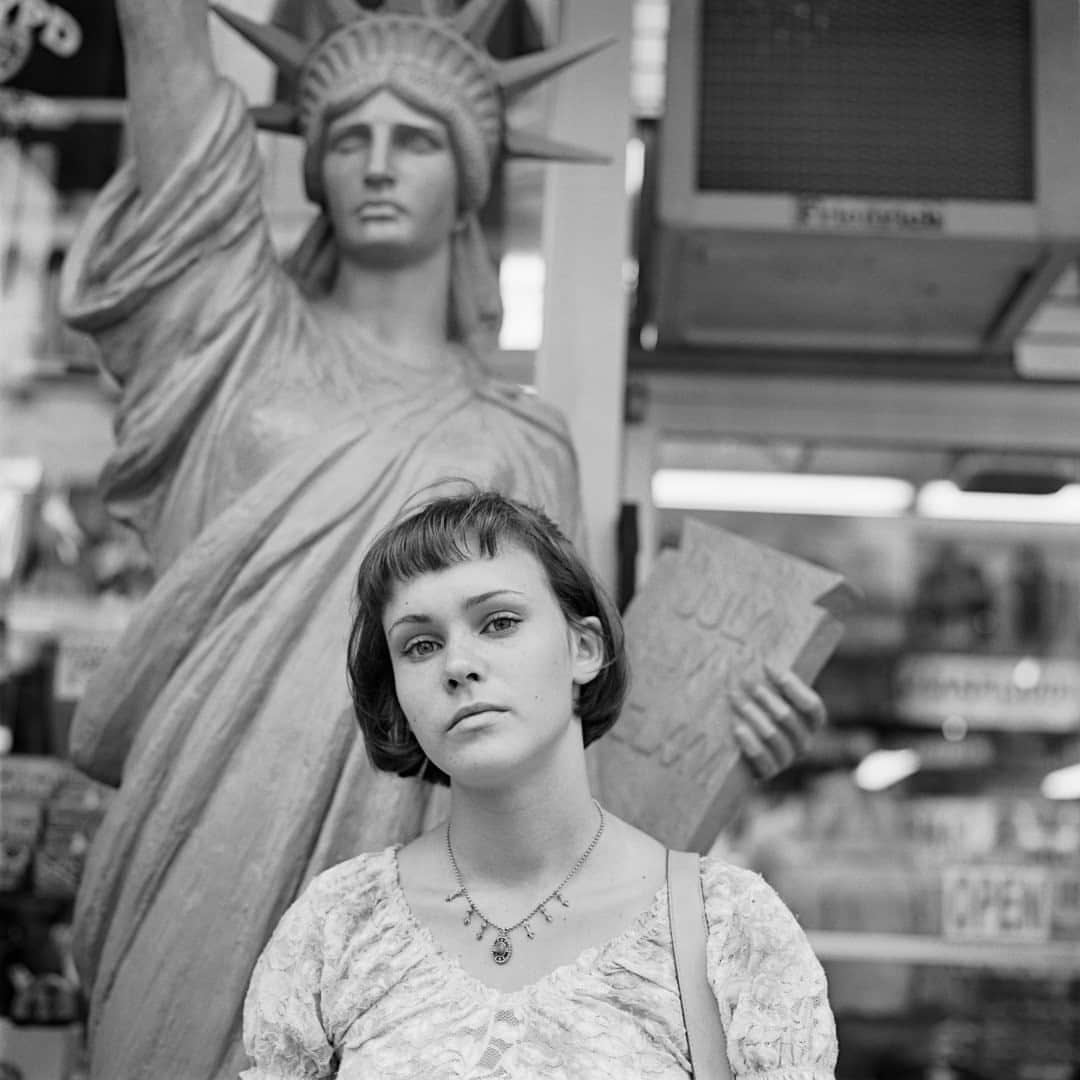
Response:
column 501, row 624
column 418, row 649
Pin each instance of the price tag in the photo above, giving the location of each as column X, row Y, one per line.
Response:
column 997, row 903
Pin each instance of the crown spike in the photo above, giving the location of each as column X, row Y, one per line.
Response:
column 282, row 48
column 281, row 117
column 477, row 18
column 517, row 76
column 531, row 144
column 336, row 13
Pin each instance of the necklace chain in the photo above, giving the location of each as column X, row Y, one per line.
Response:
column 501, row 949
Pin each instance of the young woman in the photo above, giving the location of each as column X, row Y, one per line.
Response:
column 527, row 935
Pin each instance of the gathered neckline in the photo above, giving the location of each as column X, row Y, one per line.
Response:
column 585, row 962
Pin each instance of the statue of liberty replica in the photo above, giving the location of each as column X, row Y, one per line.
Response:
column 273, row 418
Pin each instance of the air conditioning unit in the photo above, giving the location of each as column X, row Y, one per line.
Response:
column 899, row 176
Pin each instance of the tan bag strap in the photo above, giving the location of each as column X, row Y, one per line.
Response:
column 686, row 913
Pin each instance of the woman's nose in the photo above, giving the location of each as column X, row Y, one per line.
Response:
column 460, row 666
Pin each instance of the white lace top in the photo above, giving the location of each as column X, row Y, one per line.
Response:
column 352, row 986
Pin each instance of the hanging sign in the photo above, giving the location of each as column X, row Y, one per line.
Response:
column 22, row 22
column 990, row 692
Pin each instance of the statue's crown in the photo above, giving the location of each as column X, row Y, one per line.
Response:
column 410, row 39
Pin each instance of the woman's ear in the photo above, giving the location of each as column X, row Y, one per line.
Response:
column 587, row 645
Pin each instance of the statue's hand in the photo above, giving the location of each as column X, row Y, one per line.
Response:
column 777, row 719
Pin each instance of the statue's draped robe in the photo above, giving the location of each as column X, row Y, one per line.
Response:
column 262, row 439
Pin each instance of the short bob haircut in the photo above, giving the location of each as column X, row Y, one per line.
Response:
column 444, row 532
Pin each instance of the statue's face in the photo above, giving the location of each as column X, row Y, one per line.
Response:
column 390, row 180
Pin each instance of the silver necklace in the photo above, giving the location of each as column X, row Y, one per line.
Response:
column 501, row 949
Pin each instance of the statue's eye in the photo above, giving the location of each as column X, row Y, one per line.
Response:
column 350, row 142
column 419, row 140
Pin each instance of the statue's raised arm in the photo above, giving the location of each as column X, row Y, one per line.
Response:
column 170, row 81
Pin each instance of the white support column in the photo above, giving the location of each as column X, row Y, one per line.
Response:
column 641, row 454
column 580, row 366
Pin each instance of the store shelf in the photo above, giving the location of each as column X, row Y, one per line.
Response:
column 1057, row 957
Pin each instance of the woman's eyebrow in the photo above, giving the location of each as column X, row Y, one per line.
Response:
column 415, row 617
column 473, row 601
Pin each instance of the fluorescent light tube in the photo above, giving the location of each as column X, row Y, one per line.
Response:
column 1062, row 783
column 782, row 493
column 943, row 499
column 880, row 769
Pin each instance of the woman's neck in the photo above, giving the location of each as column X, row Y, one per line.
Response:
column 525, row 833
column 404, row 308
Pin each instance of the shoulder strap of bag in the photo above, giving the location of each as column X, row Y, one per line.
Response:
column 686, row 913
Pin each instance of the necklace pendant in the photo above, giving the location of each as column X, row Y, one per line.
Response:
column 501, row 949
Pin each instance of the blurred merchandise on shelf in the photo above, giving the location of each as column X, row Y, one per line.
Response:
column 953, row 606
column 41, row 220
column 72, row 816
column 42, row 999
column 69, row 578
column 50, row 815
column 21, row 481
column 1032, row 600
column 1022, row 587
column 78, row 578
column 41, row 1053
column 27, row 715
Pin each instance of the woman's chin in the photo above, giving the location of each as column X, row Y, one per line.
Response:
column 488, row 770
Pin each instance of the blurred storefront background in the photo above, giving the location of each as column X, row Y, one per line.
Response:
column 854, row 335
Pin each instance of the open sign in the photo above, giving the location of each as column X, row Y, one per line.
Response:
column 997, row 903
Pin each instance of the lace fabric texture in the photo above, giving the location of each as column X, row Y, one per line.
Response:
column 352, row 986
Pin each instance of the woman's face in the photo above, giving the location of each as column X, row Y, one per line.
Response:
column 390, row 179
column 485, row 666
